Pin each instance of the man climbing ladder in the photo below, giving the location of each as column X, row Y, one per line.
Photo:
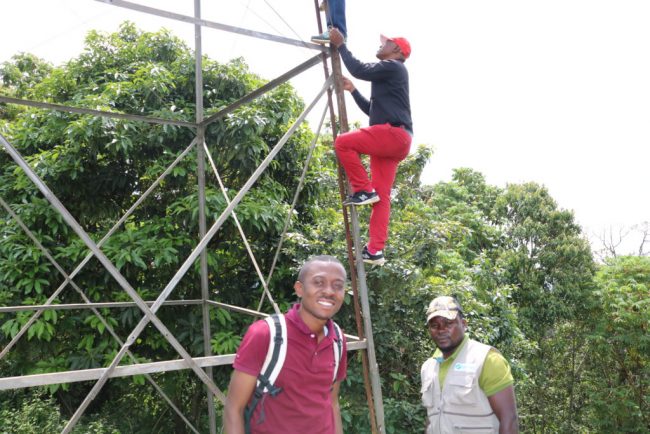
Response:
column 387, row 140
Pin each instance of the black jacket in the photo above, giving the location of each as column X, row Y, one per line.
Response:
column 389, row 97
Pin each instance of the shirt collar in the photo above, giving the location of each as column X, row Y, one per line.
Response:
column 295, row 319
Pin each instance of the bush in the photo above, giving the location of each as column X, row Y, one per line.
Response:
column 41, row 414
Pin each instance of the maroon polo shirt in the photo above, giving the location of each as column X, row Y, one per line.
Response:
column 305, row 404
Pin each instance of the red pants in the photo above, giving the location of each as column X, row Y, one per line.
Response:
column 387, row 146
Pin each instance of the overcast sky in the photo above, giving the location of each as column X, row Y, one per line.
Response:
column 555, row 91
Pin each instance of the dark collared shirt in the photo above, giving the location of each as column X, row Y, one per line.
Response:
column 305, row 404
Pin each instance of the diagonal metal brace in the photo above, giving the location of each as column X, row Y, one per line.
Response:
column 83, row 263
column 149, row 313
column 101, row 318
column 212, row 24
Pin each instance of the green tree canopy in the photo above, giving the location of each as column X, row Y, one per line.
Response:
column 620, row 342
column 518, row 263
column 98, row 167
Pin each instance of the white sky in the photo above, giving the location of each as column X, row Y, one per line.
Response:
column 553, row 91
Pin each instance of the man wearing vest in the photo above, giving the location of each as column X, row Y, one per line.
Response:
column 467, row 387
column 305, row 396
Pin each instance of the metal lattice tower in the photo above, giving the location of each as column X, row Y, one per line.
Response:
column 202, row 366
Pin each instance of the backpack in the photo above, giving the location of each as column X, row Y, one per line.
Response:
column 274, row 361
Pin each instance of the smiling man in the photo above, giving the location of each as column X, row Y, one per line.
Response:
column 308, row 398
column 466, row 386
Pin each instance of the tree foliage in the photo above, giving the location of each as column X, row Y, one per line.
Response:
column 98, row 167
column 620, row 374
column 517, row 262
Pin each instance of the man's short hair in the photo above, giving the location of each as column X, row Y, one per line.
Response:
column 319, row 258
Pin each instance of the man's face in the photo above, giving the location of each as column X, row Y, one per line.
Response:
column 386, row 50
column 322, row 290
column 447, row 333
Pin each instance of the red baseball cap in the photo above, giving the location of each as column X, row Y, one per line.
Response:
column 402, row 43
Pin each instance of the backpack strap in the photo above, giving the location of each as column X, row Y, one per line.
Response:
column 276, row 354
column 338, row 349
column 272, row 366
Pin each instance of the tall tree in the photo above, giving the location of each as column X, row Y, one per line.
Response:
column 619, row 372
column 98, row 167
column 547, row 258
column 518, row 263
column 549, row 265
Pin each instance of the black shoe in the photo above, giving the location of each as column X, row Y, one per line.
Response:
column 369, row 258
column 361, row 198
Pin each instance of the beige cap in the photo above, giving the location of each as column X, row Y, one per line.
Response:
column 444, row 306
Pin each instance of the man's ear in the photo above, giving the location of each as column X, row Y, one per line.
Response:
column 298, row 288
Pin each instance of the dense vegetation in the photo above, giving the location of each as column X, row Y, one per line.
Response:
column 576, row 332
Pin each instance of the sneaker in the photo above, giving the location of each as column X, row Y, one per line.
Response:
column 361, row 198
column 369, row 258
column 323, row 38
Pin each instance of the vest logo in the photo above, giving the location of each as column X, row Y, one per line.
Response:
column 466, row 367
